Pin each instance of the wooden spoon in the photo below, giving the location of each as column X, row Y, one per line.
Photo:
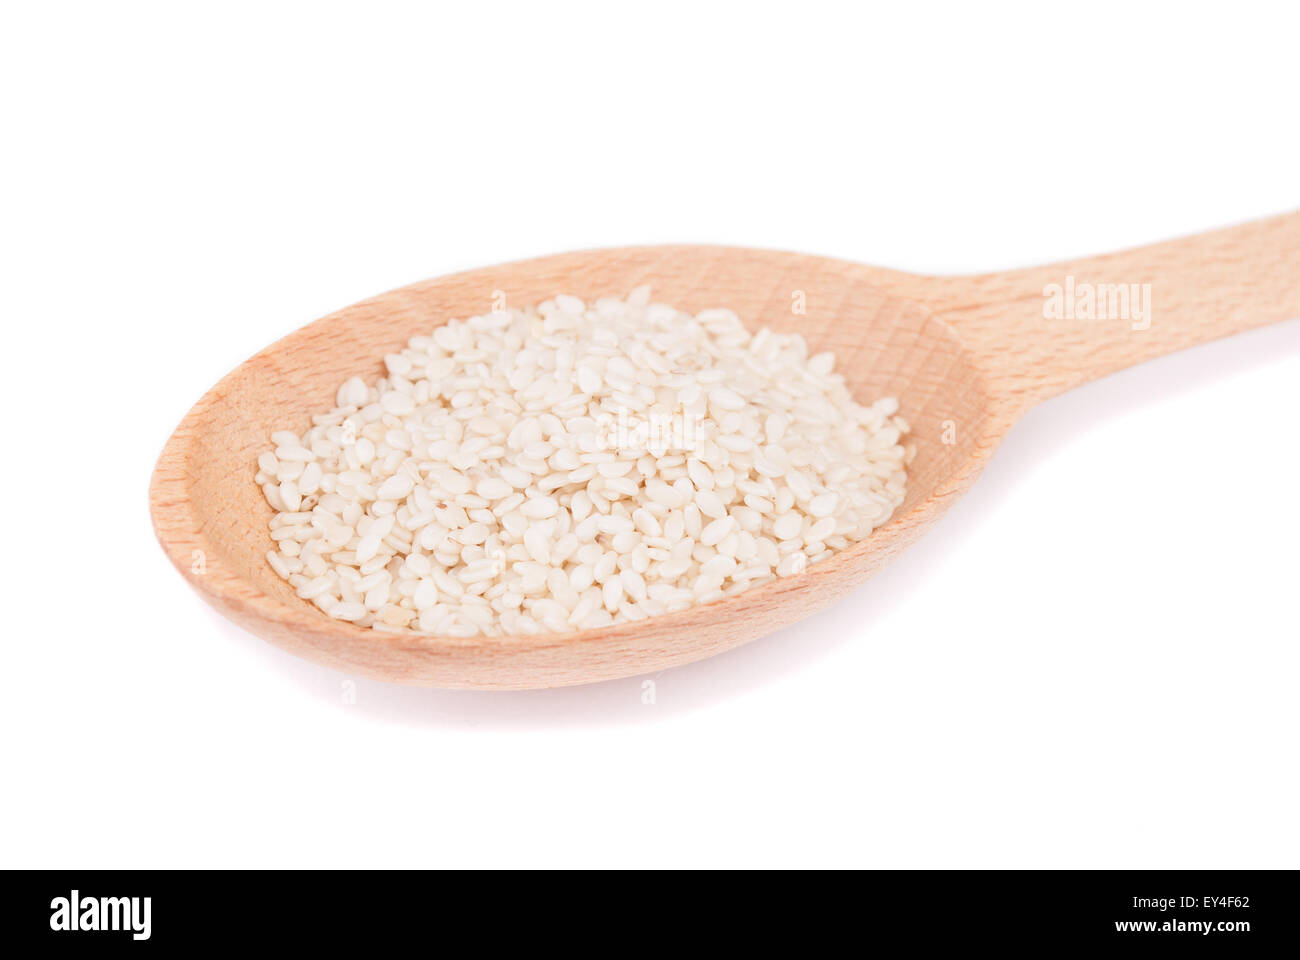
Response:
column 965, row 356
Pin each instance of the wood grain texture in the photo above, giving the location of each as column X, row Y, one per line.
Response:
column 966, row 356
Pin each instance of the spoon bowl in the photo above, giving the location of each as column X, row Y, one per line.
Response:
column 965, row 356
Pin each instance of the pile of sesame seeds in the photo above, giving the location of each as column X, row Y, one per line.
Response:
column 574, row 465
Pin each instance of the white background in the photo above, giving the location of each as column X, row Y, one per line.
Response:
column 1091, row 661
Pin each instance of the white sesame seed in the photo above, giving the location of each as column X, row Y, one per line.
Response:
column 787, row 526
column 348, row 611
column 539, row 508
column 823, row 505
column 716, row 530
column 612, row 592
column 395, row 488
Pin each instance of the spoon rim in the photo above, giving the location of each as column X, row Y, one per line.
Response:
column 179, row 529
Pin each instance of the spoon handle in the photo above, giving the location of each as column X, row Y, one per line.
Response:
column 1043, row 330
